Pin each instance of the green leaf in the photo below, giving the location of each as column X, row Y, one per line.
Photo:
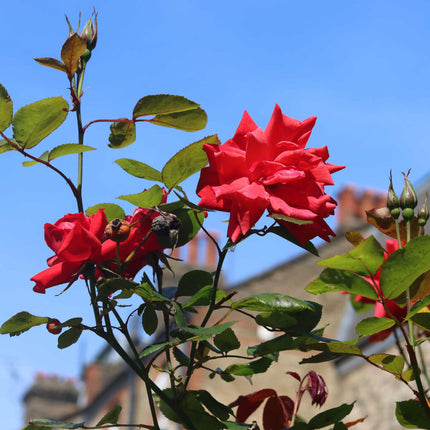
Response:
column 192, row 120
column 203, row 297
column 226, row 341
column 280, row 343
column 71, row 52
column 204, row 333
column 71, row 322
column 122, row 134
column 416, row 307
column 162, row 104
column 191, row 225
column 404, row 266
column 52, row 62
column 251, row 368
column 338, row 348
column 374, row 325
column 149, row 295
column 230, row 425
column 5, row 146
column 422, row 319
column 146, row 199
column 289, row 219
column 52, row 423
column 32, row 123
column 180, row 357
column 218, row 409
column 365, row 259
column 59, row 151
column 149, row 319
column 67, row 149
column 6, row 109
column 68, row 338
column 193, row 281
column 191, row 406
column 112, row 211
column 157, row 346
column 330, row 416
column 139, row 170
column 21, row 322
column 111, row 417
column 186, row 162
column 180, row 318
column 411, row 414
column 271, row 302
column 301, row 321
column 391, row 363
column 109, row 286
column 341, row 280
column 43, row 157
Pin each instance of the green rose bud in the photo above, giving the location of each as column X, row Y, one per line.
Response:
column 393, row 202
column 423, row 213
column 408, row 199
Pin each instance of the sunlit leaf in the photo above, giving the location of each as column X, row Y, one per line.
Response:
column 71, row 52
column 186, row 162
column 146, row 199
column 354, row 237
column 111, row 417
column 58, row 424
column 6, row 109
column 192, row 120
column 365, row 259
column 42, row 157
column 341, row 280
column 68, row 148
column 289, row 219
column 404, row 266
column 139, row 170
column 111, row 210
column 21, row 322
column 122, row 134
column 391, row 363
column 32, row 123
column 271, row 302
column 52, row 62
column 5, row 146
column 162, row 104
column 374, row 325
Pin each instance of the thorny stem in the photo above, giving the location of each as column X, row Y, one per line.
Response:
column 80, row 157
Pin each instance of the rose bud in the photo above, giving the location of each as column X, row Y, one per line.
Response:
column 423, row 213
column 393, row 202
column 408, row 199
column 51, row 326
column 118, row 230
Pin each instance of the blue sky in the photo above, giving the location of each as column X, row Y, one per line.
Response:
column 361, row 67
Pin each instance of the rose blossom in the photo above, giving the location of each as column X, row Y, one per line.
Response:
column 271, row 169
column 77, row 239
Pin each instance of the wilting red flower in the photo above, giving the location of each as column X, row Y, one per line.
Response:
column 391, row 245
column 271, row 169
column 77, row 240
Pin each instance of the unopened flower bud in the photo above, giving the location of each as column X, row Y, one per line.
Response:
column 423, row 213
column 51, row 326
column 393, row 202
column 118, row 230
column 408, row 199
column 89, row 33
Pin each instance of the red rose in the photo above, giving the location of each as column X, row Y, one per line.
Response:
column 271, row 169
column 140, row 225
column 75, row 239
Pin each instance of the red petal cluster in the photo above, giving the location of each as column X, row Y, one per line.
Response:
column 270, row 170
column 317, row 388
column 77, row 239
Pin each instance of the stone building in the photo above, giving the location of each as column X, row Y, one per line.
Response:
column 109, row 383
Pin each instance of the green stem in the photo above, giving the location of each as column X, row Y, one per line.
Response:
column 80, row 158
column 211, row 308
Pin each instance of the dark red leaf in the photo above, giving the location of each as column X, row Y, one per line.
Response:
column 294, row 375
column 317, row 388
column 277, row 413
column 248, row 404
